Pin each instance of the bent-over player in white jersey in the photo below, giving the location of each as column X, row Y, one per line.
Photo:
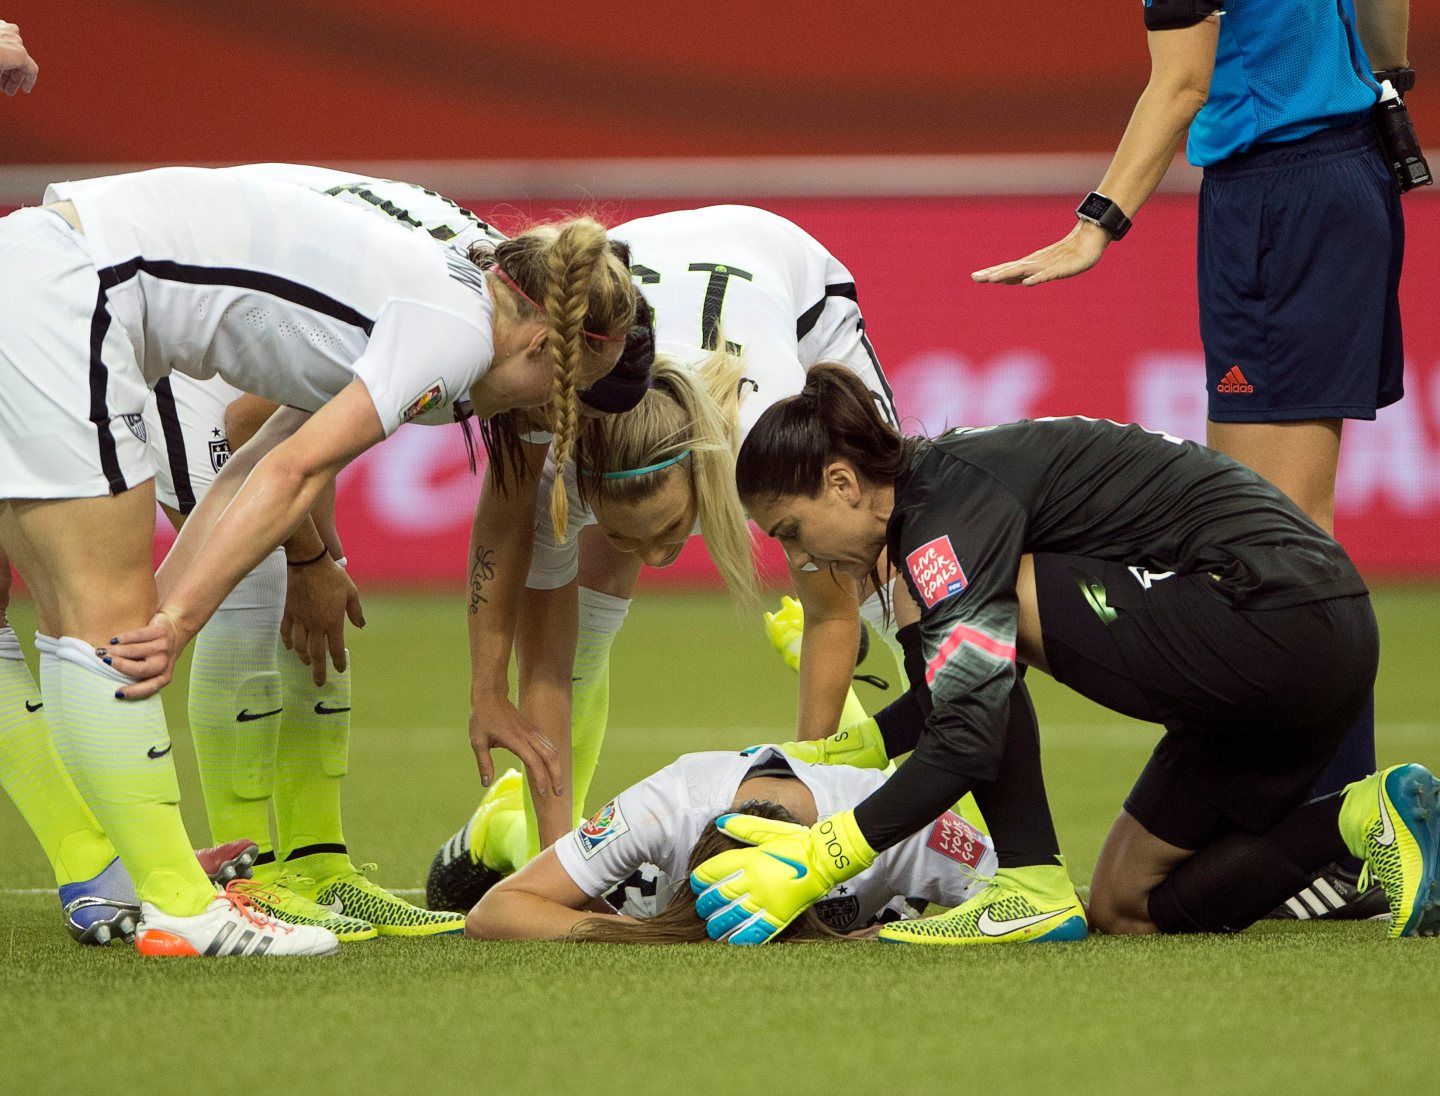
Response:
column 116, row 283
column 780, row 303
column 631, row 861
column 267, row 732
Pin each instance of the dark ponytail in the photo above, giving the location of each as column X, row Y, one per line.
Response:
column 833, row 418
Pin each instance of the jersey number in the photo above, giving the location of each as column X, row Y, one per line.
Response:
column 720, row 276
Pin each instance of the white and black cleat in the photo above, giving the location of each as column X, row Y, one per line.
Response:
column 1334, row 895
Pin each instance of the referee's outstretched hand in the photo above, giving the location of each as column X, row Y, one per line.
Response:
column 1076, row 253
column 18, row 70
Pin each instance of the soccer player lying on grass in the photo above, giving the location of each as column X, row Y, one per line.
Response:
column 623, row 875
column 1169, row 583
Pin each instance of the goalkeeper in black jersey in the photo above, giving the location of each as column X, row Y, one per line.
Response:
column 1152, row 575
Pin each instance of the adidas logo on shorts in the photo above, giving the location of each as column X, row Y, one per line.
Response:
column 1234, row 381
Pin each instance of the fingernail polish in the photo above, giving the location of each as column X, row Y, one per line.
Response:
column 114, row 639
column 119, row 695
column 107, row 662
column 484, row 781
column 100, row 652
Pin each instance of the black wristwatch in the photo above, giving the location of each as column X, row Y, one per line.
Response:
column 1401, row 79
column 1100, row 210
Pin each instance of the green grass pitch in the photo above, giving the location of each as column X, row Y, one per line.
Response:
column 1280, row 1008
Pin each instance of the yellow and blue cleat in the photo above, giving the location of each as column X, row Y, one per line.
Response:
column 1030, row 905
column 1391, row 820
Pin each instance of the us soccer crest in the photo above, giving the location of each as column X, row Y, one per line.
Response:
column 219, row 453
column 136, row 423
column 607, row 824
column 839, row 913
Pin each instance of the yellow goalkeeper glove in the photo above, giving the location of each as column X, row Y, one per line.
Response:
column 786, row 628
column 748, row 895
column 860, row 745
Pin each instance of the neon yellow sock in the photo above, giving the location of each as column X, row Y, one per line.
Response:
column 125, row 770
column 35, row 779
column 235, row 704
column 311, row 761
column 506, row 842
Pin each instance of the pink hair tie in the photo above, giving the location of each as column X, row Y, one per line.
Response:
column 531, row 302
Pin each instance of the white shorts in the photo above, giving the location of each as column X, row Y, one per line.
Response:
column 185, row 424
column 72, row 394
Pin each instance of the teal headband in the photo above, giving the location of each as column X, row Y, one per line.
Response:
column 627, row 473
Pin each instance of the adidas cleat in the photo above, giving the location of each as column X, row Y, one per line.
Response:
column 1334, row 895
column 102, row 909
column 232, row 860
column 1008, row 911
column 458, row 876
column 350, row 893
column 1392, row 821
column 230, row 925
column 281, row 900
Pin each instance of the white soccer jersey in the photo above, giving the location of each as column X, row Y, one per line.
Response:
column 405, row 203
column 778, row 298
column 185, row 418
column 285, row 293
column 636, row 849
column 781, row 301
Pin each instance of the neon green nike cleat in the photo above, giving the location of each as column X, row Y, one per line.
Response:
column 281, row 900
column 1029, row 905
column 1391, row 820
column 351, row 893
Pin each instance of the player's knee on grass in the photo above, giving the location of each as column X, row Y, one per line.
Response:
column 1117, row 914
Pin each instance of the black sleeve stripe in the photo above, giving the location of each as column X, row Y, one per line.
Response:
column 811, row 316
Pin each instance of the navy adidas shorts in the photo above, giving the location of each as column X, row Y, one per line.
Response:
column 1300, row 252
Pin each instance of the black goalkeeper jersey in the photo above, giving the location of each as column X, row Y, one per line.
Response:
column 973, row 501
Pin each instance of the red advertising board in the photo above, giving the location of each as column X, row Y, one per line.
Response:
column 1120, row 342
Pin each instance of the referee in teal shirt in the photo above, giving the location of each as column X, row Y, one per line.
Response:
column 1301, row 241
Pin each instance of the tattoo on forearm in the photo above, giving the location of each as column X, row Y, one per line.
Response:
column 482, row 570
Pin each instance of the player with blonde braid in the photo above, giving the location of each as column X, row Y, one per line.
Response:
column 394, row 330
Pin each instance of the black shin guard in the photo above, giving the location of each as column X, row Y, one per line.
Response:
column 1241, row 877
